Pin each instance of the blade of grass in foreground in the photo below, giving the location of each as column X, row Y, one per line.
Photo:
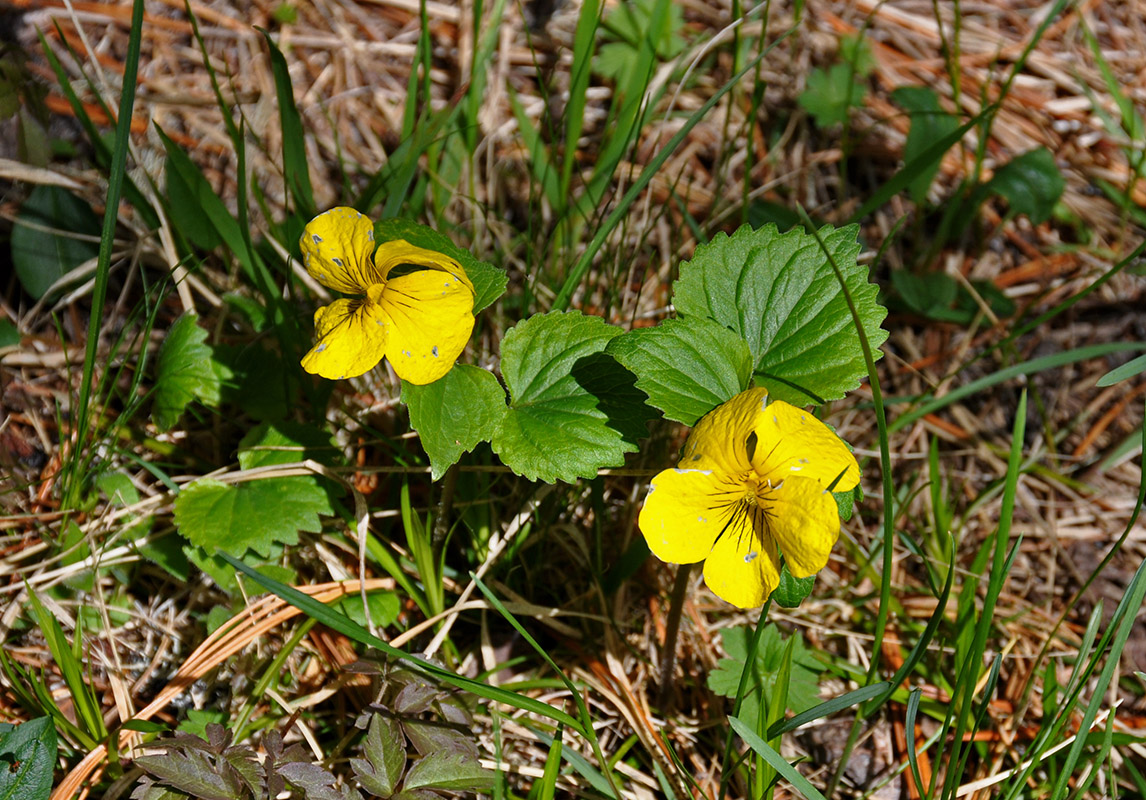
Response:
column 71, row 487
column 344, row 625
column 963, row 698
column 582, row 708
column 786, row 770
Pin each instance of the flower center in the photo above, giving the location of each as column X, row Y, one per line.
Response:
column 374, row 292
column 756, row 489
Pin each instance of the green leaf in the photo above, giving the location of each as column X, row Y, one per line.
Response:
column 192, row 772
column 555, row 428
column 830, row 94
column 686, row 366
column 200, row 206
column 259, row 513
column 803, row 687
column 453, row 414
column 1127, row 370
column 385, row 607
column 385, row 752
column 46, row 239
column 929, row 124
column 9, row 334
column 489, row 281
column 27, row 758
column 856, row 51
column 1031, row 183
column 792, row 590
column 449, row 769
column 186, row 371
column 780, row 294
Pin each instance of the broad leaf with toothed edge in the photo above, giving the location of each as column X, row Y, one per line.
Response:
column 781, row 295
column 556, row 427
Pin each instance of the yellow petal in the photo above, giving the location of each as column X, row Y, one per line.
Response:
column 805, row 521
column 398, row 251
column 685, row 511
column 743, row 568
column 430, row 316
column 792, row 441
column 349, row 340
column 336, row 249
column 720, row 440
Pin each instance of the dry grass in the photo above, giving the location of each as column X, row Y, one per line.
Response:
column 350, row 63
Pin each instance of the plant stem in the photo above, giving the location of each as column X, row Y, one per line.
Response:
column 672, row 626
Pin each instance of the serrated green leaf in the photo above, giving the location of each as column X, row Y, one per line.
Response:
column 186, row 371
column 259, row 513
column 780, row 294
column 316, row 783
column 192, row 772
column 554, row 428
column 453, row 414
column 255, row 514
column 830, row 94
column 792, row 590
column 929, row 124
column 449, row 769
column 48, row 237
column 489, row 281
column 385, row 761
column 1031, row 183
column 27, row 758
column 686, row 366
column 803, row 687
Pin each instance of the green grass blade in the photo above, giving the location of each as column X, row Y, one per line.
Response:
column 72, row 489
column 66, row 656
column 1035, row 365
column 829, row 707
column 963, row 697
column 920, row 648
column 342, row 624
column 582, row 709
column 295, row 167
column 1123, row 622
column 539, row 160
column 577, row 272
column 584, row 45
column 552, row 768
column 786, row 770
column 909, row 733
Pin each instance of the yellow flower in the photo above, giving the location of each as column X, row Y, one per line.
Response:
column 420, row 320
column 753, row 480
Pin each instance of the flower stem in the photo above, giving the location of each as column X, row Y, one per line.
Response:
column 672, row 626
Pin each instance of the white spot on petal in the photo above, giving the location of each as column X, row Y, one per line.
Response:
column 370, row 234
column 702, row 520
column 803, row 419
column 775, row 419
column 434, row 350
column 750, row 557
column 317, row 239
column 407, row 354
column 337, row 261
column 320, row 348
column 680, row 471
